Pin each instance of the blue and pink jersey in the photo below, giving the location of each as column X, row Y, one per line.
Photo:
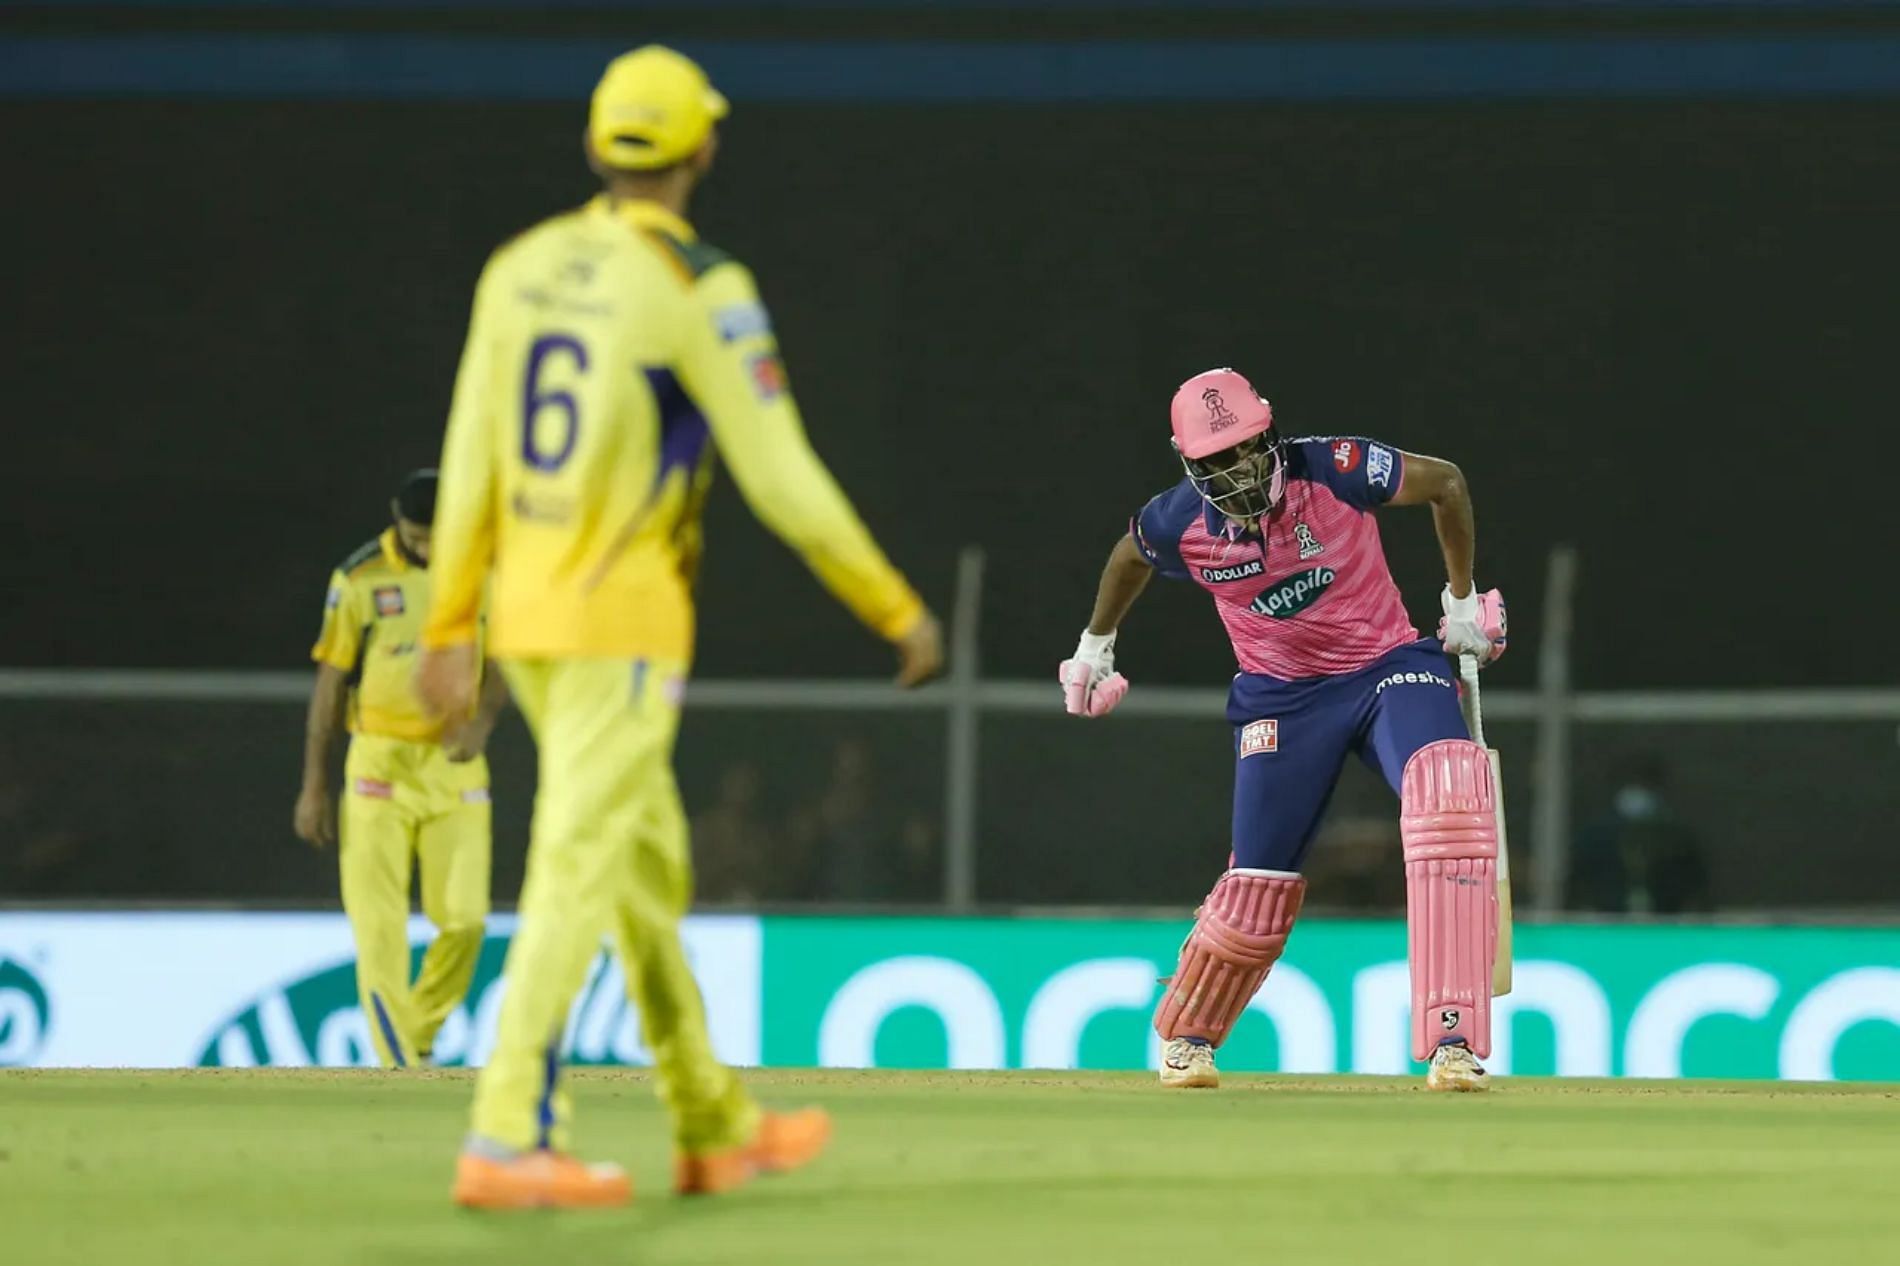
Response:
column 1311, row 594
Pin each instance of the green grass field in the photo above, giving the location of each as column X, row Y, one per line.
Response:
column 284, row 1169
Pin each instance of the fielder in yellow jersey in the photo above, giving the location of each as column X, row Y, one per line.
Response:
column 610, row 352
column 411, row 792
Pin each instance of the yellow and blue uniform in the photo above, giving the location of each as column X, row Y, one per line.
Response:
column 404, row 802
column 609, row 353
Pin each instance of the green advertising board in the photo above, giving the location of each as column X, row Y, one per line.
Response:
column 1608, row 1000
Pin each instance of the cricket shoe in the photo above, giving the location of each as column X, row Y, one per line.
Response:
column 783, row 1141
column 1188, row 1065
column 538, row 1180
column 1454, row 1067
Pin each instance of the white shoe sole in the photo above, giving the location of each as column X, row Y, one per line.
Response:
column 1191, row 1081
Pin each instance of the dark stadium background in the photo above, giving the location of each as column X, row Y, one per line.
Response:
column 1659, row 329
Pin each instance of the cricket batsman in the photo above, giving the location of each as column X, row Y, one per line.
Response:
column 415, row 787
column 610, row 352
column 1281, row 534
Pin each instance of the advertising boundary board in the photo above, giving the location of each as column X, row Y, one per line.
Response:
column 176, row 989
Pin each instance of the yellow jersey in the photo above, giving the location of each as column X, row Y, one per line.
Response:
column 609, row 353
column 372, row 625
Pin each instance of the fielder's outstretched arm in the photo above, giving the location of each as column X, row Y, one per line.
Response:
column 462, row 551
column 738, row 385
column 1123, row 579
column 1441, row 485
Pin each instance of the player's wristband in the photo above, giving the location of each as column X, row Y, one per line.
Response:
column 1094, row 645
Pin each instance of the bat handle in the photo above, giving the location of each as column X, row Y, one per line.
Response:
column 1474, row 711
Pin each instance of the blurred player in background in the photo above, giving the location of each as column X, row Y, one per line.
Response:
column 1281, row 533
column 415, row 788
column 609, row 352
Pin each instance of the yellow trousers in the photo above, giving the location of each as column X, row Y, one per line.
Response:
column 406, row 803
column 608, row 854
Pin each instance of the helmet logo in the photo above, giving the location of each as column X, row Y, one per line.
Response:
column 1219, row 416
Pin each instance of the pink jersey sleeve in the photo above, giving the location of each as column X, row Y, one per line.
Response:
column 1362, row 473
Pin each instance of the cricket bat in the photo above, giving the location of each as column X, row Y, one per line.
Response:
column 1474, row 721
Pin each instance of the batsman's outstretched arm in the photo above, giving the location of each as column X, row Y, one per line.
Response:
column 1090, row 685
column 1125, row 576
column 1474, row 622
column 1441, row 485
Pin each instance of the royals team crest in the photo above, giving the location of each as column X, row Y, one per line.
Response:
column 1309, row 544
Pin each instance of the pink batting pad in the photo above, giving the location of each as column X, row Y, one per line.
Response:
column 1448, row 824
column 1238, row 935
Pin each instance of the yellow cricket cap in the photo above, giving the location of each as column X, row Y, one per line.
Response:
column 652, row 108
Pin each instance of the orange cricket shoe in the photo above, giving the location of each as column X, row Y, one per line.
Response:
column 786, row 1140
column 538, row 1180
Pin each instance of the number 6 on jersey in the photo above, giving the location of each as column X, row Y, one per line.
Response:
column 550, row 354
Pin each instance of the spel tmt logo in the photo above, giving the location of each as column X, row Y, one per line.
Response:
column 25, row 1015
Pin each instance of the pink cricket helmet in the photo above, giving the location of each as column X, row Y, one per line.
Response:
column 1216, row 410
